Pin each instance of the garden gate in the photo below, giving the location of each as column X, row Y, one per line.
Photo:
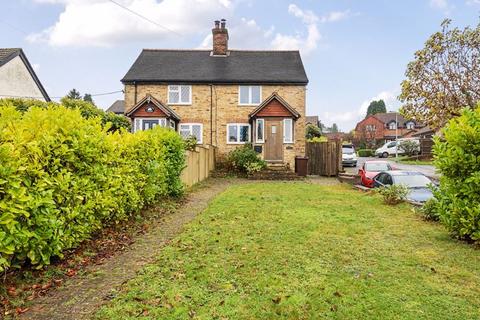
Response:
column 324, row 158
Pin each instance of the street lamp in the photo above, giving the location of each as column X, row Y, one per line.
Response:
column 396, row 136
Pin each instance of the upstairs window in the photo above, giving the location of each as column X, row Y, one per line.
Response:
column 392, row 125
column 410, row 125
column 249, row 95
column 179, row 94
column 238, row 133
column 188, row 130
column 370, row 127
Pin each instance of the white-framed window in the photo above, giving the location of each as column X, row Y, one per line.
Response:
column 238, row 133
column 370, row 127
column 249, row 95
column 148, row 123
column 410, row 125
column 260, row 130
column 179, row 94
column 392, row 125
column 187, row 130
column 287, row 131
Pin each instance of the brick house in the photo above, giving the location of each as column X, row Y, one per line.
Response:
column 383, row 127
column 223, row 97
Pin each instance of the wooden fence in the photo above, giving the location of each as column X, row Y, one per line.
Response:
column 199, row 165
column 426, row 146
column 324, row 158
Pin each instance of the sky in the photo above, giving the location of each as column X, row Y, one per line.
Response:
column 354, row 51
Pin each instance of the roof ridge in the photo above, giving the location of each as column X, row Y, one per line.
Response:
column 209, row 50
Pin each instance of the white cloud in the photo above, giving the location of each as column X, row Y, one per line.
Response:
column 102, row 23
column 443, row 5
column 473, row 2
column 347, row 120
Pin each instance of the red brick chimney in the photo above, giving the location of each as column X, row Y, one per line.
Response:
column 220, row 38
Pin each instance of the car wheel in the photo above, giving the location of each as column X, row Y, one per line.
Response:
column 385, row 155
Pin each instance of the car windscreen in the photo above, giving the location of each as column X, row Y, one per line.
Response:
column 412, row 181
column 348, row 150
column 377, row 166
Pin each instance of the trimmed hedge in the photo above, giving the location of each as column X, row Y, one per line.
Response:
column 457, row 157
column 366, row 153
column 63, row 177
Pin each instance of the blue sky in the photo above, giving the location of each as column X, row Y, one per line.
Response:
column 353, row 51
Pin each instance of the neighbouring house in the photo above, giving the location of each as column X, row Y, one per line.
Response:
column 223, row 97
column 312, row 120
column 17, row 77
column 383, row 127
column 118, row 107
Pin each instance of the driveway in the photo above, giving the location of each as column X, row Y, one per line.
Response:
column 427, row 170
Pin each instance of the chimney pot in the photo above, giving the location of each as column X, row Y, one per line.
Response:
column 220, row 38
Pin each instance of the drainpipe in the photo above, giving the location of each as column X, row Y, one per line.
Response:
column 211, row 114
column 135, row 84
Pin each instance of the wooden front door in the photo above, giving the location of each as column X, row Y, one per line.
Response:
column 274, row 140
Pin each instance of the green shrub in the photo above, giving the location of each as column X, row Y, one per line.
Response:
column 312, row 131
column 410, row 147
column 63, row 177
column 245, row 160
column 394, row 194
column 457, row 157
column 366, row 153
column 318, row 139
column 190, row 143
column 429, row 210
column 88, row 110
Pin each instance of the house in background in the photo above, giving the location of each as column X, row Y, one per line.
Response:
column 223, row 97
column 17, row 77
column 313, row 120
column 384, row 127
column 118, row 107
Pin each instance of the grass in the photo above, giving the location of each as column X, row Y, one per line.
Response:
column 303, row 251
column 409, row 160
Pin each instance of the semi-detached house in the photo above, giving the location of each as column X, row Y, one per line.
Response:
column 223, row 97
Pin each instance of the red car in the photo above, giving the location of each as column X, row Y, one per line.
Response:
column 370, row 169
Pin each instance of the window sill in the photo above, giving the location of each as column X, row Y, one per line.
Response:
column 179, row 104
column 248, row 104
column 238, row 142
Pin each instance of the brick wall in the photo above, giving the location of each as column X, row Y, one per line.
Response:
column 224, row 99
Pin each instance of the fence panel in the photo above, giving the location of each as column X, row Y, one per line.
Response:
column 426, row 146
column 199, row 164
column 324, row 158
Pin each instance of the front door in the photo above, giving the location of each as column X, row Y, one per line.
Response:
column 274, row 140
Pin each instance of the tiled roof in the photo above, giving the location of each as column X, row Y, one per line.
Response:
column 198, row 66
column 312, row 120
column 117, row 107
column 7, row 53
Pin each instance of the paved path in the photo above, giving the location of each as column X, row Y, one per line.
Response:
column 427, row 170
column 82, row 295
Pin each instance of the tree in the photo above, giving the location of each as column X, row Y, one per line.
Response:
column 444, row 77
column 88, row 97
column 74, row 94
column 312, row 131
column 334, row 128
column 376, row 106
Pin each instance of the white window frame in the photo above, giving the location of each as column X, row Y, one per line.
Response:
column 284, row 130
column 238, row 132
column 190, row 129
column 256, row 131
column 410, row 123
column 249, row 96
column 390, row 125
column 185, row 103
column 138, row 123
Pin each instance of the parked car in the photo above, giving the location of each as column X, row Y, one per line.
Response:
column 415, row 181
column 370, row 169
column 391, row 147
column 349, row 157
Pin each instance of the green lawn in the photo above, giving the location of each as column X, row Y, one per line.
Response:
column 305, row 251
column 408, row 160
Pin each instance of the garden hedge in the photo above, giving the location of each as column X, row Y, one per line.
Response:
column 63, row 177
column 457, row 157
column 366, row 153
